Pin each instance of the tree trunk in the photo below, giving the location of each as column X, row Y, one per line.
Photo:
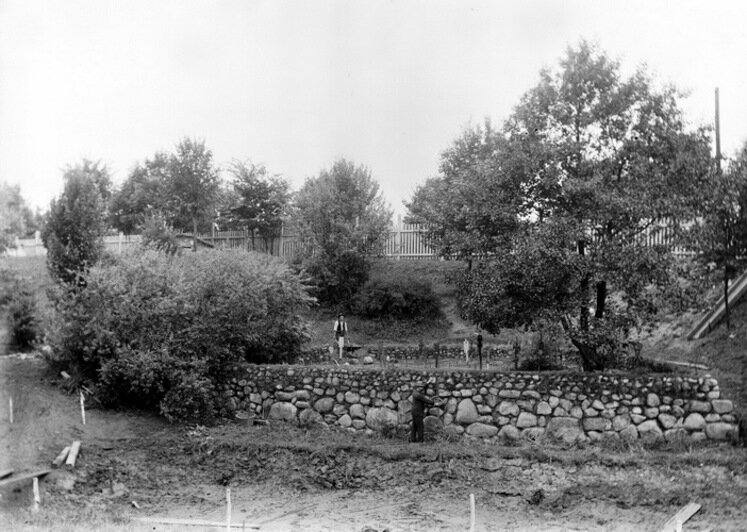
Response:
column 194, row 233
column 726, row 292
column 601, row 299
column 590, row 360
column 584, row 290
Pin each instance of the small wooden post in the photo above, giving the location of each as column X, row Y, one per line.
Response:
column 82, row 407
column 10, row 408
column 471, row 512
column 37, row 498
column 228, row 509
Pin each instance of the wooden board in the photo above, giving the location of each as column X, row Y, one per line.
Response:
column 73, row 455
column 685, row 513
column 194, row 522
column 57, row 462
column 26, row 476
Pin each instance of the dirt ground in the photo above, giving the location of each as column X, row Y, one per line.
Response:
column 283, row 478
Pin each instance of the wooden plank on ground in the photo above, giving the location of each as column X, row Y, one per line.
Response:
column 193, row 522
column 685, row 513
column 26, row 476
column 73, row 455
column 5, row 473
column 57, row 462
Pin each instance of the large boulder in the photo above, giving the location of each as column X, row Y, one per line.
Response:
column 722, row 406
column 650, row 431
column 509, row 433
column 481, row 430
column 466, row 412
column 526, row 420
column 432, row 424
column 378, row 418
column 597, row 424
column 282, row 410
column 324, row 405
column 720, row 431
column 310, row 417
column 695, row 422
column 566, row 430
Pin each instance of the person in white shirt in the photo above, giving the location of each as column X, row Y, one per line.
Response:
column 340, row 329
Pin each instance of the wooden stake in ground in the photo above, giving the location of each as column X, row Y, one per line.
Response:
column 10, row 408
column 37, row 498
column 228, row 509
column 57, row 462
column 73, row 455
column 82, row 407
column 471, row 512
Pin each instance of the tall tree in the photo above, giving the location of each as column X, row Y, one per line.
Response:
column 193, row 183
column 602, row 160
column 259, row 200
column 76, row 222
column 472, row 207
column 342, row 218
column 143, row 194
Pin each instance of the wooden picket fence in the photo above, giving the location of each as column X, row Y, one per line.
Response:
column 405, row 241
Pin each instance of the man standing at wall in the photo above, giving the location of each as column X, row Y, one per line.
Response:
column 340, row 329
column 419, row 400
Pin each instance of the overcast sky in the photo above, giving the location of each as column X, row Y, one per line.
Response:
column 296, row 84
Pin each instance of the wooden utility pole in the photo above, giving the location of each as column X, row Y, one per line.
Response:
column 726, row 236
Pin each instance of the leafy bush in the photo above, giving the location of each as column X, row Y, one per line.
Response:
column 337, row 278
column 399, row 297
column 141, row 325
column 22, row 319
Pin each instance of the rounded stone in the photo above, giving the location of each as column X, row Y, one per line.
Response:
column 544, row 408
column 649, row 430
column 652, row 400
column 356, row 411
column 563, row 429
column 482, row 430
column 532, row 433
column 324, row 405
column 720, row 431
column 722, row 406
column 507, row 408
column 310, row 417
column 378, row 418
column 345, row 421
column 466, row 412
column 694, row 422
column 509, row 433
column 667, row 421
column 352, row 397
column 629, row 433
column 432, row 424
column 282, row 410
column 526, row 420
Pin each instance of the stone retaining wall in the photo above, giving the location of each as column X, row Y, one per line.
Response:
column 504, row 406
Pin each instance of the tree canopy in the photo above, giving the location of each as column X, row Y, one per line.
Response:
column 342, row 217
column 594, row 158
column 257, row 200
column 76, row 222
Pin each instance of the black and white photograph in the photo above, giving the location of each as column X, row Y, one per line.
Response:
column 373, row 266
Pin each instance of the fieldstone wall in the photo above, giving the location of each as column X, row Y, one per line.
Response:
column 561, row 407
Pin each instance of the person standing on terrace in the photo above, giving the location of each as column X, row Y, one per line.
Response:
column 340, row 330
